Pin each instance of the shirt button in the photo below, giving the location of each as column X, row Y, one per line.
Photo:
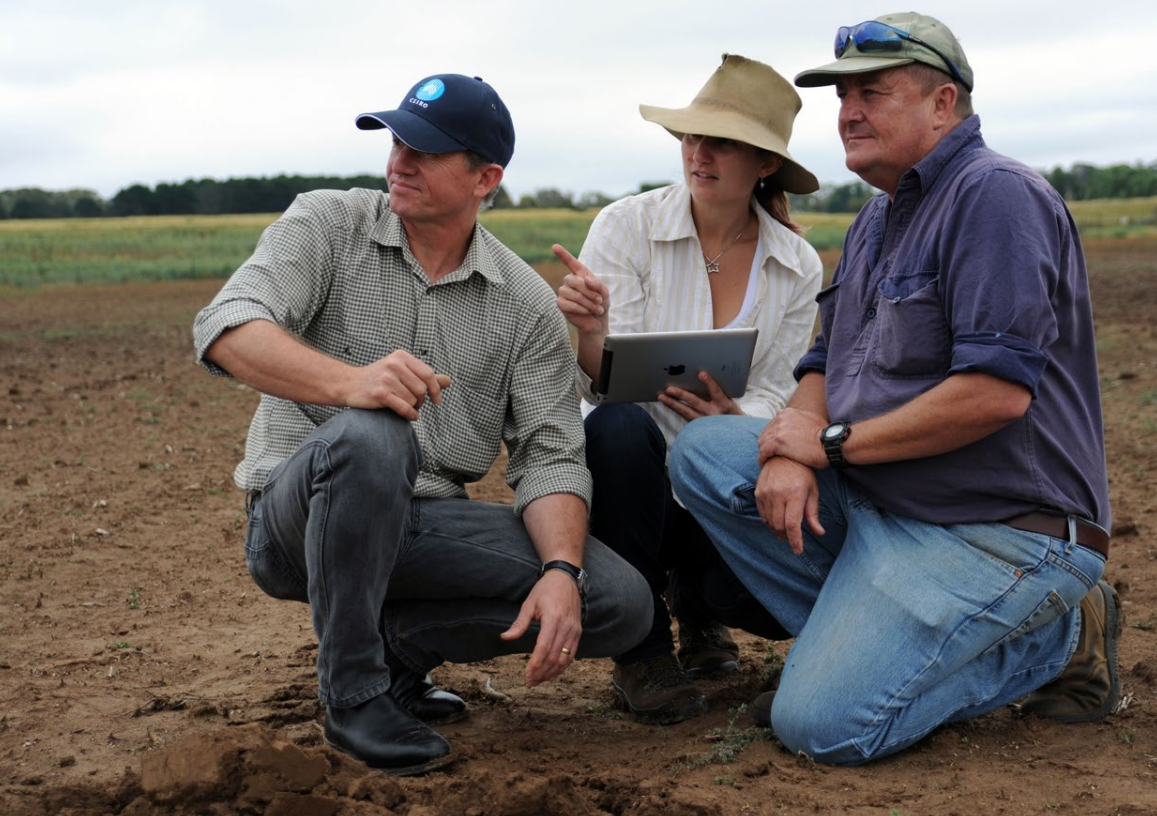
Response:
column 871, row 313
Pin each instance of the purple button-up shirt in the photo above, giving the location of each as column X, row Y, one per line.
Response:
column 975, row 265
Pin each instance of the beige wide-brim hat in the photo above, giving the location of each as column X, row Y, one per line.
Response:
column 747, row 101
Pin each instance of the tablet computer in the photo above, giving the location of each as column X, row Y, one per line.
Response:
column 637, row 367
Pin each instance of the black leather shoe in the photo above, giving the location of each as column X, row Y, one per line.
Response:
column 385, row 736
column 427, row 702
column 761, row 709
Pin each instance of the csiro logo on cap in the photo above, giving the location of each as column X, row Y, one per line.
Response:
column 431, row 90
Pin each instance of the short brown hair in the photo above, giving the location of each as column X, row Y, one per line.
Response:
column 930, row 79
column 476, row 162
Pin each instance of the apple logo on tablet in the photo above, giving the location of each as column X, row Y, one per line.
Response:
column 675, row 370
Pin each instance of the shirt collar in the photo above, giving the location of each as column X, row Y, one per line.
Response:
column 965, row 136
column 673, row 220
column 674, row 223
column 388, row 231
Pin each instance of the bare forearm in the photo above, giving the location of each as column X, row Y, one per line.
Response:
column 810, row 395
column 266, row 357
column 959, row 411
column 557, row 525
column 590, row 354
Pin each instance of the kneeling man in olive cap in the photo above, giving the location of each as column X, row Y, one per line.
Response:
column 397, row 345
column 928, row 515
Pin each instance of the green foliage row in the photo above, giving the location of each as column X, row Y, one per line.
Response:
column 101, row 250
column 165, row 247
column 130, row 249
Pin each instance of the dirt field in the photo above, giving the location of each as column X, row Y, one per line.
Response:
column 141, row 672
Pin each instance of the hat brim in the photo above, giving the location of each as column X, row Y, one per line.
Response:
column 728, row 124
column 851, row 64
column 413, row 130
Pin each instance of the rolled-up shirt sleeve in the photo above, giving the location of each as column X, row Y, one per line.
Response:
column 999, row 292
column 544, row 433
column 283, row 281
column 1000, row 354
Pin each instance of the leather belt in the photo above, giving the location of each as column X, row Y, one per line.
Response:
column 1088, row 534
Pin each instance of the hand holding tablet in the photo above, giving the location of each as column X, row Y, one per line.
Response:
column 637, row 367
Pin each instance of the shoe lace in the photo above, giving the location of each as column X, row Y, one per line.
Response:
column 697, row 638
column 664, row 671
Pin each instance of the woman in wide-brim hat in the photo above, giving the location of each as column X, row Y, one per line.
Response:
column 717, row 251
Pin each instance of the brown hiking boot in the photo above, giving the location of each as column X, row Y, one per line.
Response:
column 656, row 690
column 707, row 651
column 1089, row 688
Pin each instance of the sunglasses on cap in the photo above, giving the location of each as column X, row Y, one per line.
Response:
column 873, row 36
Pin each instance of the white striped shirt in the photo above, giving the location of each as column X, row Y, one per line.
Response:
column 645, row 249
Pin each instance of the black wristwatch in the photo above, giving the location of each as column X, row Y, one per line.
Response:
column 832, row 437
column 577, row 573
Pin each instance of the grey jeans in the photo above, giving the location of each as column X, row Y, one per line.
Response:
column 432, row 580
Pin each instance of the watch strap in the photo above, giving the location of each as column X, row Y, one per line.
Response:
column 577, row 573
column 834, row 445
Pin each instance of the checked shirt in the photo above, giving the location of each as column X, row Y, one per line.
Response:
column 336, row 271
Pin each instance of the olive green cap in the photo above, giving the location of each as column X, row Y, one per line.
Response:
column 927, row 29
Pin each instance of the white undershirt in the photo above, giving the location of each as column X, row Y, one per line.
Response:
column 749, row 296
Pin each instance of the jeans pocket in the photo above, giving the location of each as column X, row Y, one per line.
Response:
column 1051, row 608
column 743, row 501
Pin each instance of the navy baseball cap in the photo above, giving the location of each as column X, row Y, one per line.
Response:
column 446, row 113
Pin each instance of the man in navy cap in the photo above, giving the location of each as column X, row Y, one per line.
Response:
column 397, row 345
column 929, row 515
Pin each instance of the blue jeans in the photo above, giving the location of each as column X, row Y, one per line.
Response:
column 634, row 513
column 900, row 625
column 428, row 580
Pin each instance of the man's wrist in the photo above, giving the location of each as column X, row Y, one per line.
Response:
column 576, row 573
column 832, row 438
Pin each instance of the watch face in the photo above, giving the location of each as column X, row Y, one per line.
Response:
column 833, row 431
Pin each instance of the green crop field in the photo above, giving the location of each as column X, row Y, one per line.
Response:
column 109, row 250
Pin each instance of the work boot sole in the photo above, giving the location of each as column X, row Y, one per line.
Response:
column 664, row 715
column 723, row 667
column 408, row 770
column 1113, row 628
column 457, row 716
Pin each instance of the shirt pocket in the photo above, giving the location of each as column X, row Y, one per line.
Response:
column 913, row 339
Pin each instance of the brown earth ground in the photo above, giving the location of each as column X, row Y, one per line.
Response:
column 142, row 672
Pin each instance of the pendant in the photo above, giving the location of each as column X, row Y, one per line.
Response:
column 712, row 267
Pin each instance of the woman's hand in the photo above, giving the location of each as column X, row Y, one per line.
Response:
column 582, row 298
column 689, row 406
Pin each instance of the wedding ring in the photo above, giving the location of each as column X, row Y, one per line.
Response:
column 565, row 650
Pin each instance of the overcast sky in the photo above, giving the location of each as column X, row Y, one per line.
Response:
column 106, row 94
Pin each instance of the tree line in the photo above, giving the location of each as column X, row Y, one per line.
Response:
column 273, row 194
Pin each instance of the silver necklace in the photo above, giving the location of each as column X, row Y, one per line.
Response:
column 713, row 263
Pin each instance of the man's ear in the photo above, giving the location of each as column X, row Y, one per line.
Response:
column 944, row 101
column 489, row 179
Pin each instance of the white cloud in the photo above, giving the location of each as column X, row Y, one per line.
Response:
column 104, row 95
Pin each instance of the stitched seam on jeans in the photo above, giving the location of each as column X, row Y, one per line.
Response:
column 1071, row 568
column 322, row 597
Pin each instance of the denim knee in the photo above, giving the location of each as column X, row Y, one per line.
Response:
column 700, row 451
column 619, row 606
column 819, row 729
column 365, row 441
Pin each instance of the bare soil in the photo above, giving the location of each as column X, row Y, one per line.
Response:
column 141, row 671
